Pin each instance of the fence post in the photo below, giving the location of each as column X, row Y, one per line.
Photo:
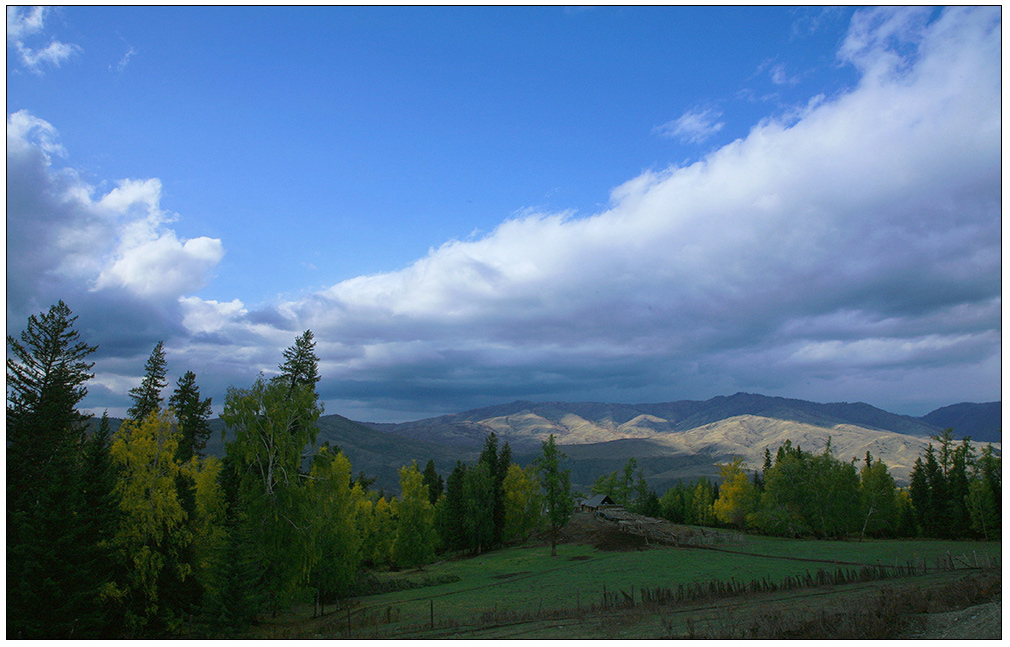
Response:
column 348, row 620
column 432, row 613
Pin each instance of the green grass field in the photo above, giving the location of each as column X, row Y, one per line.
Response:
column 527, row 580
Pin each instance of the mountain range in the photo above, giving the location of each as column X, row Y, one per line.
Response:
column 673, row 440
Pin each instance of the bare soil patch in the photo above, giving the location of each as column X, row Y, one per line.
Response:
column 979, row 622
column 584, row 528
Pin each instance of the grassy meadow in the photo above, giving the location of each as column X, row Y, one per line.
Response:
column 524, row 592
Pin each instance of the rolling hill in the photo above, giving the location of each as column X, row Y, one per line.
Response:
column 981, row 421
column 676, row 440
column 527, row 423
column 684, row 439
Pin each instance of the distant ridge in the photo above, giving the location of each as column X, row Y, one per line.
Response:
column 980, row 420
column 470, row 427
column 672, row 440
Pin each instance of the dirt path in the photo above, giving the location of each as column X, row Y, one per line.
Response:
column 981, row 622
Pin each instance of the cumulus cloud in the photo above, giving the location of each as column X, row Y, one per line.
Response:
column 855, row 235
column 115, row 249
column 26, row 22
column 694, row 126
column 849, row 250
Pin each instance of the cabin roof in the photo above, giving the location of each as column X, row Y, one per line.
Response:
column 597, row 500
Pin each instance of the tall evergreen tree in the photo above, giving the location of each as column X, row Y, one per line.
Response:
column 52, row 584
column 301, row 365
column 99, row 517
column 433, row 480
column 192, row 414
column 300, row 373
column 147, row 397
column 452, row 509
column 989, row 469
column 479, row 498
column 234, row 592
column 497, row 462
column 918, row 493
column 556, row 486
column 962, row 457
column 46, row 376
column 936, row 510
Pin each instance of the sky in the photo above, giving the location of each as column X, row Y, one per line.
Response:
column 469, row 206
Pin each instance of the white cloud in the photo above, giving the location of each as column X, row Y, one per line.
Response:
column 884, row 201
column 54, row 54
column 26, row 22
column 877, row 351
column 25, row 130
column 162, row 265
column 206, row 316
column 694, row 126
column 23, row 21
column 840, row 250
column 123, row 62
column 58, row 231
column 779, row 75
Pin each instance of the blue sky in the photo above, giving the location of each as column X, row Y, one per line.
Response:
column 475, row 205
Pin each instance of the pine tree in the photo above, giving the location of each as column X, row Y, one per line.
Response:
column 52, row 582
column 936, row 510
column 99, row 518
column 192, row 414
column 556, row 486
column 478, row 498
column 433, row 480
column 452, row 509
column 918, row 493
column 46, row 378
column 147, row 397
column 301, row 365
column 234, row 572
column 962, row 457
column 497, row 462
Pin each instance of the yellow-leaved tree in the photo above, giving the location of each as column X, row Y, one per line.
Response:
column 210, row 535
column 415, row 521
column 523, row 502
column 380, row 551
column 152, row 534
column 738, row 498
column 335, row 543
